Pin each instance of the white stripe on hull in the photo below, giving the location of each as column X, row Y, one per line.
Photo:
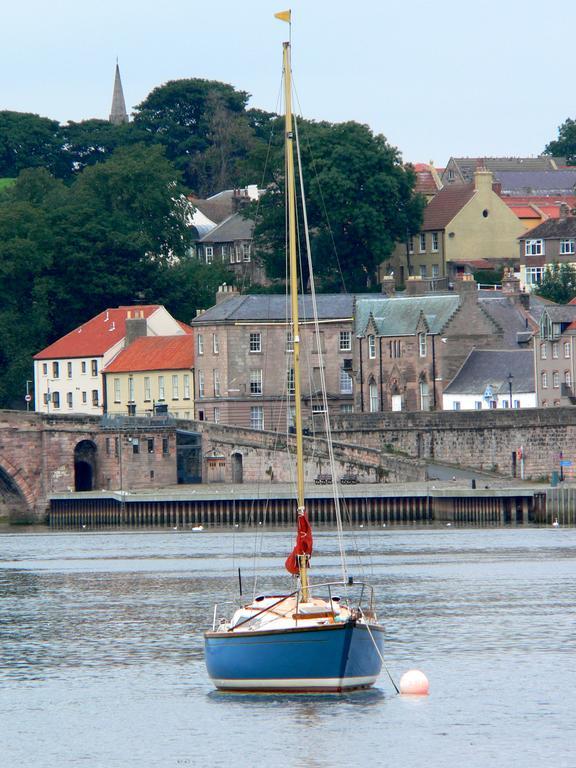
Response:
column 304, row 683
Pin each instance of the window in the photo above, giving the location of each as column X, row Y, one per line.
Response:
column 161, row 388
column 216, row 415
column 410, row 244
column 347, row 408
column 424, row 396
column 84, row 397
column 215, row 344
column 256, row 382
column 555, row 350
column 147, row 392
column 55, row 370
column 69, row 366
column 435, row 242
column 555, row 379
column 200, row 344
column 373, row 397
column 209, row 253
column 135, row 445
column 69, row 400
column 83, row 366
column 544, row 380
column 289, row 342
column 395, row 348
column 95, row 397
column 423, row 270
column 371, row 347
column 290, row 383
column 566, row 349
column 200, row 383
column 45, row 369
column 505, row 404
column 435, row 270
column 246, row 252
column 216, row 380
column 186, row 386
column 543, row 351
column 534, row 247
column 130, row 389
column 116, row 390
column 56, row 399
column 232, row 259
column 108, row 446
column 568, row 246
column 256, row 342
column 568, row 378
column 345, row 382
column 257, row 417
column 422, row 242
column 516, row 403
column 345, row 341
column 534, row 275
column 238, row 254
column 150, row 442
column 456, row 405
column 493, row 404
column 175, row 387
column 223, row 252
column 318, row 408
column 451, row 174
column 165, row 446
column 422, row 346
column 94, row 367
column 478, row 405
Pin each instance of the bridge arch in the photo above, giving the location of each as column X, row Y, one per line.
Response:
column 85, row 465
column 16, row 496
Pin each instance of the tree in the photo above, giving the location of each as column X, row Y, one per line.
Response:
column 565, row 144
column 28, row 141
column 93, row 141
column 558, row 283
column 360, row 202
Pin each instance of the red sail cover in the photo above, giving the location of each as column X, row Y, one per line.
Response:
column 303, row 544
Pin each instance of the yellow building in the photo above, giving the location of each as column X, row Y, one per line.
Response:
column 152, row 375
column 465, row 225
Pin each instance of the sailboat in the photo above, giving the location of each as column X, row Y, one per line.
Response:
column 318, row 637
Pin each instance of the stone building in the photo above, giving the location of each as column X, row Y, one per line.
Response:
column 244, row 373
column 554, row 350
column 552, row 242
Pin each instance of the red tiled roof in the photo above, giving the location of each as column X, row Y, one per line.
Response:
column 446, row 204
column 186, row 328
column 523, row 211
column 96, row 336
column 155, row 353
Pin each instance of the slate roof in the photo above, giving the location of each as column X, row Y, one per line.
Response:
column 485, row 367
column 553, row 228
column 155, row 353
column 95, row 337
column 467, row 165
column 561, row 313
column 274, row 307
column 537, row 182
column 508, row 317
column 399, row 316
column 445, row 205
column 235, row 227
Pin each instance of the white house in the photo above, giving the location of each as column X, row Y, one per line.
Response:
column 490, row 379
column 67, row 373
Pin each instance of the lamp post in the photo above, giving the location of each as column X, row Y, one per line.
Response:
column 510, row 377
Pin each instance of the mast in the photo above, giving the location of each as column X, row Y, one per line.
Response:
column 293, row 261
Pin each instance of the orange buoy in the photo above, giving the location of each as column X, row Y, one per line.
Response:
column 414, row 683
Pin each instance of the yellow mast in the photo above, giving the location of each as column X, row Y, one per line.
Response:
column 293, row 261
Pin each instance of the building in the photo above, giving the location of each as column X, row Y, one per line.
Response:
column 408, row 348
column 554, row 350
column 118, row 114
column 244, row 372
column 460, row 170
column 493, row 378
column 152, row 375
column 67, row 373
column 465, row 225
column 231, row 244
column 552, row 242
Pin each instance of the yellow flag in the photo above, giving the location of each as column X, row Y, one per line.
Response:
column 283, row 16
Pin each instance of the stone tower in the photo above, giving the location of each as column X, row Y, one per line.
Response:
column 118, row 114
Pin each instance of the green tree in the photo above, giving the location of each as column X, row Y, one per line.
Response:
column 93, row 141
column 558, row 283
column 360, row 202
column 565, row 144
column 28, row 141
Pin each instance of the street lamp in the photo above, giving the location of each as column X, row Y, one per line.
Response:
column 510, row 377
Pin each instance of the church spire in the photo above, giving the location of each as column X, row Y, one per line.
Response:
column 118, row 114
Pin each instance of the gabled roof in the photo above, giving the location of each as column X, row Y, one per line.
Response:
column 561, row 313
column 427, row 180
column 553, row 228
column 467, row 165
column 235, row 227
column 537, row 182
column 270, row 307
column 155, row 353
column 445, row 205
column 400, row 315
column 485, row 367
column 95, row 337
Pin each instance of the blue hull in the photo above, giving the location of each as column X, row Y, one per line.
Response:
column 331, row 658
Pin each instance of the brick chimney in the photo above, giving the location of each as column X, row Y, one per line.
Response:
column 136, row 326
column 466, row 287
column 226, row 292
column 388, row 285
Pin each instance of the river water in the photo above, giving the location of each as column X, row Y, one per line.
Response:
column 101, row 660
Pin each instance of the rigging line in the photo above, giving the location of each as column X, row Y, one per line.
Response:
column 322, row 199
column 321, row 364
column 381, row 658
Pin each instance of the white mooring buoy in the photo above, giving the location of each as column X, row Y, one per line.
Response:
column 414, row 683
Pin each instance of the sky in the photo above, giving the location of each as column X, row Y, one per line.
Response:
column 438, row 78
